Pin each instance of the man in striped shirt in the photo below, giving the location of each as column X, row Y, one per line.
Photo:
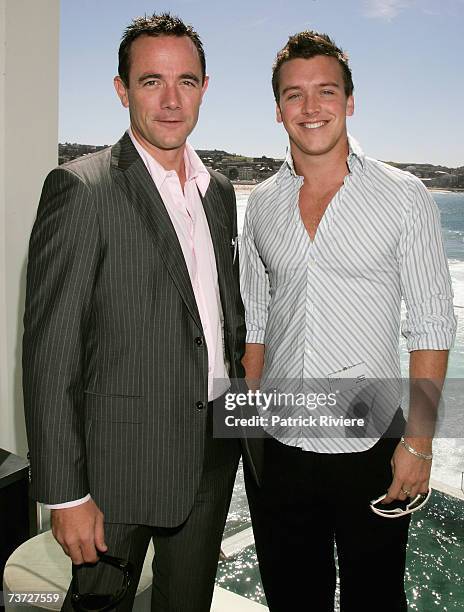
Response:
column 330, row 246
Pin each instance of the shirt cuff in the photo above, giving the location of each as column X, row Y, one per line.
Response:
column 69, row 504
column 426, row 344
column 255, row 337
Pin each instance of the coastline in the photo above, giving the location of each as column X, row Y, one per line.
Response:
column 448, row 190
column 245, row 185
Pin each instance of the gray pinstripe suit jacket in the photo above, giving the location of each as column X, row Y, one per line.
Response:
column 112, row 374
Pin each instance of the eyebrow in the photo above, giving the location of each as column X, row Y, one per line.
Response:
column 191, row 76
column 150, row 75
column 155, row 75
column 292, row 87
column 289, row 88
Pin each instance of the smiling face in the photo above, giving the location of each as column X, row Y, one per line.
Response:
column 313, row 106
column 164, row 92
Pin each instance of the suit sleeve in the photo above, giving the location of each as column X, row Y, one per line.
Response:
column 62, row 267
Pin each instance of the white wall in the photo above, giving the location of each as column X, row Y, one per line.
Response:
column 29, row 52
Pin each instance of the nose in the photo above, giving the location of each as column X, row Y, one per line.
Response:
column 171, row 98
column 311, row 104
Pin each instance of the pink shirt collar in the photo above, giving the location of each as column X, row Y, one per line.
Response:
column 194, row 167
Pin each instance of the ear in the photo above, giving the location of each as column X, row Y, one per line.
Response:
column 204, row 86
column 350, row 106
column 278, row 114
column 121, row 90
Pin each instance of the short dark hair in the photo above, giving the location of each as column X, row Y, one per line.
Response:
column 309, row 44
column 164, row 24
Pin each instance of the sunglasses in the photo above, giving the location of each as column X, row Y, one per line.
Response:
column 398, row 507
column 96, row 602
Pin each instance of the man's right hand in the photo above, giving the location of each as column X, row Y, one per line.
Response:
column 80, row 532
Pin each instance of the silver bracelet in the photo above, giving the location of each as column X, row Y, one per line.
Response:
column 414, row 452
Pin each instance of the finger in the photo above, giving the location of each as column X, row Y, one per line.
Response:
column 407, row 489
column 88, row 550
column 75, row 553
column 390, row 496
column 424, row 487
column 65, row 548
column 100, row 534
column 61, row 542
column 394, row 492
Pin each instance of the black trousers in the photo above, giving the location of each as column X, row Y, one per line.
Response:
column 186, row 557
column 310, row 501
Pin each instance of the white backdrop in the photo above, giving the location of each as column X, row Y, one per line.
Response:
column 29, row 55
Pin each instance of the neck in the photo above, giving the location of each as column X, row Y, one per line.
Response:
column 170, row 159
column 326, row 169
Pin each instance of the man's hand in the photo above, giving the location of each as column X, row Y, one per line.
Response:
column 253, row 362
column 410, row 473
column 80, row 532
column 427, row 370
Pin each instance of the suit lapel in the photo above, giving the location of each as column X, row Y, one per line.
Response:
column 131, row 174
column 216, row 213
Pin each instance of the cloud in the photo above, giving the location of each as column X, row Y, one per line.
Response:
column 385, row 9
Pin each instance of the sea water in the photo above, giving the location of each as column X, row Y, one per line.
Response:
column 435, row 563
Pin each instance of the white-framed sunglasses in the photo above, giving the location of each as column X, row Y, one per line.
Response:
column 399, row 508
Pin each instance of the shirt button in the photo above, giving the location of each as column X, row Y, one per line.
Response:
column 199, row 341
column 200, row 405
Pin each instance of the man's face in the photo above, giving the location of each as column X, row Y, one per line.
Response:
column 313, row 105
column 164, row 92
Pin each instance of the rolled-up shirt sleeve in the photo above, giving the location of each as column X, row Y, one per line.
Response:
column 430, row 322
column 254, row 282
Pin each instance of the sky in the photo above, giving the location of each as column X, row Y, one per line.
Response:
column 406, row 57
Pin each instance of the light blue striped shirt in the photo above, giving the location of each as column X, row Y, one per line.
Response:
column 324, row 305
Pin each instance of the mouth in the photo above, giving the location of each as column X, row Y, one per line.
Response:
column 169, row 122
column 314, row 126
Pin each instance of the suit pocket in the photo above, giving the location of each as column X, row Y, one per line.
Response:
column 113, row 408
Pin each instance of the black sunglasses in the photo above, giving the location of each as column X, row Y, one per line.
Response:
column 96, row 602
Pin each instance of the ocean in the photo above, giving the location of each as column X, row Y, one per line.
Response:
column 434, row 575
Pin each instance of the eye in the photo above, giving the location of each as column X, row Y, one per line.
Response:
column 327, row 92
column 189, row 83
column 151, row 83
column 293, row 96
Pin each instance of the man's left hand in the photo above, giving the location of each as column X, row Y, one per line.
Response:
column 410, row 475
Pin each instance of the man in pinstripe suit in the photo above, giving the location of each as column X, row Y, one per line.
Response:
column 132, row 311
column 330, row 245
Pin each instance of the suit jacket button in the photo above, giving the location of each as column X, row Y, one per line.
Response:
column 199, row 341
column 199, row 405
